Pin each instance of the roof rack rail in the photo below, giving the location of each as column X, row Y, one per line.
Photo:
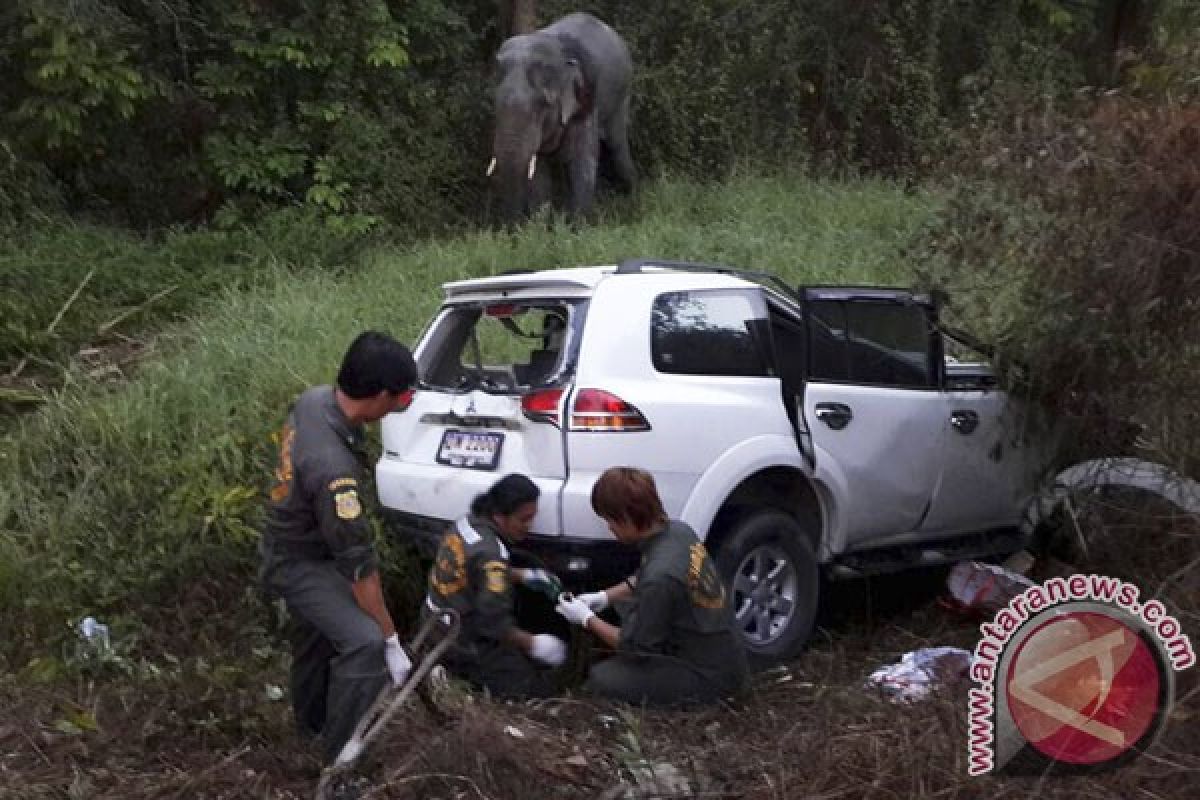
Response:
column 634, row 266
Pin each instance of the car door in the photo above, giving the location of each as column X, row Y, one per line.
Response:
column 872, row 406
column 990, row 457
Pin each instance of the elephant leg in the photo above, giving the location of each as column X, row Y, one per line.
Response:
column 582, row 151
column 618, row 148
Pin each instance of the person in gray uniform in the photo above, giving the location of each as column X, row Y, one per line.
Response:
column 471, row 574
column 317, row 552
column 676, row 643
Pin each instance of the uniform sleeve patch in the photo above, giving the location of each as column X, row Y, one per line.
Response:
column 449, row 573
column 704, row 585
column 347, row 505
column 343, row 483
column 496, row 574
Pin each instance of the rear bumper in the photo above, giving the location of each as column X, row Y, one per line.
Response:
column 581, row 563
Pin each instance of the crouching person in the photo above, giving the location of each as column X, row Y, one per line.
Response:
column 471, row 574
column 676, row 643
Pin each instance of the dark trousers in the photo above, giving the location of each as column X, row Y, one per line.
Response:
column 652, row 681
column 338, row 668
column 505, row 672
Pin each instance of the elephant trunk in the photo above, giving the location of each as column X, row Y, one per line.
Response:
column 514, row 159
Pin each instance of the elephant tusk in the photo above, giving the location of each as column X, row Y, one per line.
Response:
column 491, row 166
column 532, row 166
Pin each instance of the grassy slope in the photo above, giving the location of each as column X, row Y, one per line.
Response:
column 109, row 495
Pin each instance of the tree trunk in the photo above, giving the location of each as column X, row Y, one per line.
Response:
column 518, row 16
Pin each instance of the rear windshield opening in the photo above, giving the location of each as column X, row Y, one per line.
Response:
column 498, row 347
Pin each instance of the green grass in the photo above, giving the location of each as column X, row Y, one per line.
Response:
column 65, row 286
column 113, row 498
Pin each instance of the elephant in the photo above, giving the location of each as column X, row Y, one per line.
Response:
column 561, row 99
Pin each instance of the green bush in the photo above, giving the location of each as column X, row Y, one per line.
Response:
column 375, row 114
column 1089, row 238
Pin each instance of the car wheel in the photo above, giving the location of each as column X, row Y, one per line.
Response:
column 768, row 565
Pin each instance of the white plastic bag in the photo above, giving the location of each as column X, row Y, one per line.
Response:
column 985, row 587
column 920, row 672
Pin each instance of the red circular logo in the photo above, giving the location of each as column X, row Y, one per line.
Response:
column 1083, row 688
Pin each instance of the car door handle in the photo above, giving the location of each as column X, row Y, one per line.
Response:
column 835, row 415
column 964, row 421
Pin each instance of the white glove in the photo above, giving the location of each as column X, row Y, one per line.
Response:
column 574, row 609
column 548, row 649
column 398, row 662
column 596, row 601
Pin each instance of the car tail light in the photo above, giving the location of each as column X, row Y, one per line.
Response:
column 542, row 406
column 598, row 410
column 404, row 400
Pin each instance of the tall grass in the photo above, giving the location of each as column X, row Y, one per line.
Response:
column 113, row 499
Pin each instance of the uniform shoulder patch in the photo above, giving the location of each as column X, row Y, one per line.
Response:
column 704, row 584
column 496, row 576
column 347, row 505
column 449, row 573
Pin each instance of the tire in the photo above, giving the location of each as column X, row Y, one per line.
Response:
column 775, row 617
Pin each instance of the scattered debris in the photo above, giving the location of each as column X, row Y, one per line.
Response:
column 274, row 693
column 514, row 732
column 652, row 780
column 1020, row 562
column 95, row 634
column 984, row 587
column 921, row 672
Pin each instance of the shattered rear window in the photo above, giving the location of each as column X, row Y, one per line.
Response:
column 499, row 347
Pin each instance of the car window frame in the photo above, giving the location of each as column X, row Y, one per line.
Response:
column 763, row 341
column 935, row 368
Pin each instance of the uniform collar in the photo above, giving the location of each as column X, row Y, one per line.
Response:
column 352, row 435
column 482, row 525
column 648, row 544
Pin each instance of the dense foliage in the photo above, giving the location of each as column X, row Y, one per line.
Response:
column 375, row 112
column 1085, row 254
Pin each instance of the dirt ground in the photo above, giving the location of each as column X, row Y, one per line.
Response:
column 207, row 716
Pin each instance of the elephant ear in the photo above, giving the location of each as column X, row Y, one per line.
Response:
column 579, row 84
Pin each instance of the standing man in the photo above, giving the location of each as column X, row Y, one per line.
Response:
column 317, row 552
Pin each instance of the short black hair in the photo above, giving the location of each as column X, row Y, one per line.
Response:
column 376, row 363
column 505, row 496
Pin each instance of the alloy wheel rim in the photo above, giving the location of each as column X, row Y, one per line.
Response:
column 765, row 589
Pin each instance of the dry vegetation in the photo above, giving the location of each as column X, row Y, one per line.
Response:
column 810, row 729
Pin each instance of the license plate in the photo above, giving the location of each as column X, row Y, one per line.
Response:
column 470, row 449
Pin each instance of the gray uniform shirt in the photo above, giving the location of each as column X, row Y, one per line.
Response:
column 315, row 510
column 470, row 575
column 681, row 609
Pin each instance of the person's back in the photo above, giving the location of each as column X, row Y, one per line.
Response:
column 320, row 452
column 471, row 575
column 676, row 642
column 678, row 574
column 472, row 548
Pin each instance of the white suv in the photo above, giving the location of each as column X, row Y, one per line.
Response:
column 798, row 430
